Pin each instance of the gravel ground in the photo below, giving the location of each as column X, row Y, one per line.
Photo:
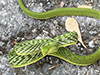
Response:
column 16, row 26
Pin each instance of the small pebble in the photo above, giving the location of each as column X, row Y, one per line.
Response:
column 48, row 3
column 91, row 44
column 3, row 2
column 93, row 32
column 62, row 4
column 55, row 22
column 79, row 44
column 41, row 4
column 82, row 49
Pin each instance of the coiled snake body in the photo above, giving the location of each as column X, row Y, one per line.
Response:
column 31, row 51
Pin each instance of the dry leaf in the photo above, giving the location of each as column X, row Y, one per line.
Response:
column 89, row 2
column 97, row 9
column 84, row 6
column 87, row 73
column 72, row 25
column 54, row 66
column 1, row 52
column 14, row 42
column 62, row 4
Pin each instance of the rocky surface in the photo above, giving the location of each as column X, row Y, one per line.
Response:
column 16, row 26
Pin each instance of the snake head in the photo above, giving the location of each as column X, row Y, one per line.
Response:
column 49, row 49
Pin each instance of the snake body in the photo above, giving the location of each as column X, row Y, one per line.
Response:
column 28, row 52
column 60, row 12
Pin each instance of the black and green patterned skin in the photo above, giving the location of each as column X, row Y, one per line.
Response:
column 66, row 39
column 31, row 46
column 26, row 50
column 23, row 60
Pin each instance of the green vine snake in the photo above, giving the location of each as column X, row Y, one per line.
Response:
column 28, row 52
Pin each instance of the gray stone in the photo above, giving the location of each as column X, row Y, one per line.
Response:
column 3, row 60
column 2, row 66
column 1, row 43
column 59, row 71
column 45, row 68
